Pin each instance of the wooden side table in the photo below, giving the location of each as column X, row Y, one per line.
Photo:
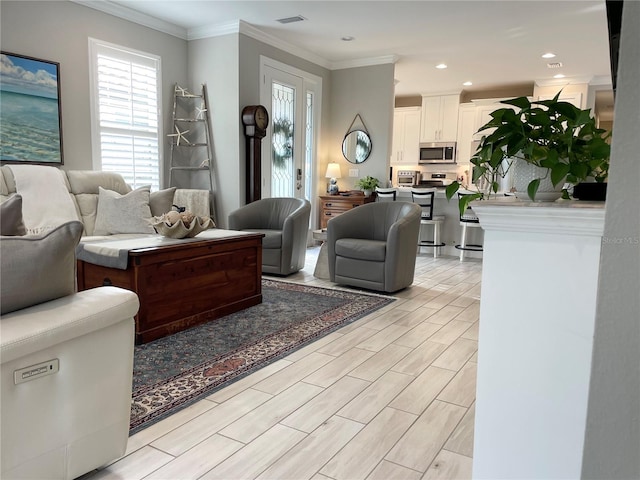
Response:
column 333, row 205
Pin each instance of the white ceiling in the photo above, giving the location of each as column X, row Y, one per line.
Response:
column 491, row 43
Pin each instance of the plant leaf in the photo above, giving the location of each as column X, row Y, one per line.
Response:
column 451, row 189
column 568, row 110
column 520, row 102
column 465, row 200
column 558, row 172
column 532, row 189
column 477, row 173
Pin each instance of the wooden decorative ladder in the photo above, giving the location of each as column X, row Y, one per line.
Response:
column 190, row 142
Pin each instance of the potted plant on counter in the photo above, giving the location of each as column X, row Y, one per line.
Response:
column 558, row 141
column 368, row 184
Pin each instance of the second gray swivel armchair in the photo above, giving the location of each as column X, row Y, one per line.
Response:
column 374, row 246
column 285, row 224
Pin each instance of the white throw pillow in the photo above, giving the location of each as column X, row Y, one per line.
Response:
column 161, row 201
column 128, row 213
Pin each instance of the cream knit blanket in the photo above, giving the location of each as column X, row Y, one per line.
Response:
column 46, row 201
column 195, row 201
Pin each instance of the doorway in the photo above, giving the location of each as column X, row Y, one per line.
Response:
column 289, row 161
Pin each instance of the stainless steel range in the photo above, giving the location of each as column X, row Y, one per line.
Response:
column 438, row 180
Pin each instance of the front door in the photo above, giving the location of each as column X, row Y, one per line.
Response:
column 289, row 150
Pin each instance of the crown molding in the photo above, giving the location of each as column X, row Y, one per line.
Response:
column 237, row 26
column 217, row 30
column 257, row 34
column 439, row 94
column 134, row 16
column 364, row 62
column 548, row 82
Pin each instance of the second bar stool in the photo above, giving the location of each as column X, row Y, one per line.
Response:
column 425, row 198
column 468, row 220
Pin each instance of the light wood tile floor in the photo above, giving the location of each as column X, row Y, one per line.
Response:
column 391, row 396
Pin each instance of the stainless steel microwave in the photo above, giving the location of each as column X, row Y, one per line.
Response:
column 438, row 152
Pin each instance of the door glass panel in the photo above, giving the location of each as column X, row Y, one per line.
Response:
column 309, row 147
column 282, row 152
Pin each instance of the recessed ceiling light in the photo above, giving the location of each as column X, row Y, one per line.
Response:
column 549, row 55
column 467, row 84
column 441, row 66
column 558, row 76
column 347, row 39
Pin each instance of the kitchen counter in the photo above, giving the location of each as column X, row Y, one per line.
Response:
column 451, row 229
column 405, row 192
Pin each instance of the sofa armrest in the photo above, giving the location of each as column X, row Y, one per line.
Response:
column 402, row 247
column 297, row 222
column 39, row 327
column 251, row 215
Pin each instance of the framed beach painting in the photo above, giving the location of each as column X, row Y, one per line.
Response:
column 30, row 114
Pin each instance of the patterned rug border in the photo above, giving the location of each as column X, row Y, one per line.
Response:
column 153, row 403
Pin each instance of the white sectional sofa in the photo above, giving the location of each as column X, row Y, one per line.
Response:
column 66, row 356
column 63, row 424
column 83, row 187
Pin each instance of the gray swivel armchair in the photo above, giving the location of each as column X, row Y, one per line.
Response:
column 285, row 224
column 374, row 246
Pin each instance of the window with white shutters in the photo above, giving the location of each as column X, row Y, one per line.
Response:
column 125, row 91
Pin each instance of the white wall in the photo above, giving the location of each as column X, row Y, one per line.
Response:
column 250, row 52
column 214, row 62
column 364, row 90
column 612, row 442
column 58, row 31
column 368, row 91
column 535, row 338
column 230, row 66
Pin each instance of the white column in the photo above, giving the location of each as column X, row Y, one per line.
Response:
column 537, row 314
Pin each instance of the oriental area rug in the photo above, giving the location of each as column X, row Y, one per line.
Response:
column 175, row 371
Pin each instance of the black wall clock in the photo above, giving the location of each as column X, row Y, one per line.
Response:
column 255, row 119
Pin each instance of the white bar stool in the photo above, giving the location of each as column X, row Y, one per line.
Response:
column 468, row 220
column 425, row 198
column 386, row 194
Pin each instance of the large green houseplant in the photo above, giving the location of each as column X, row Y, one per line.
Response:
column 552, row 134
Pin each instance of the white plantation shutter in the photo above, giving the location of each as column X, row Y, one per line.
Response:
column 126, row 113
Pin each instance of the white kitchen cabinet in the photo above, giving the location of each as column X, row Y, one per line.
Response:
column 483, row 116
column 406, row 136
column 439, row 122
column 484, row 108
column 472, row 116
column 573, row 98
column 466, row 129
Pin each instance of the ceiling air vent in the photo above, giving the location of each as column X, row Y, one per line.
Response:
column 297, row 18
column 554, row 65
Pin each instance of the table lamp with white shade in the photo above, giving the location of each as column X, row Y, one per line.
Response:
column 333, row 173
